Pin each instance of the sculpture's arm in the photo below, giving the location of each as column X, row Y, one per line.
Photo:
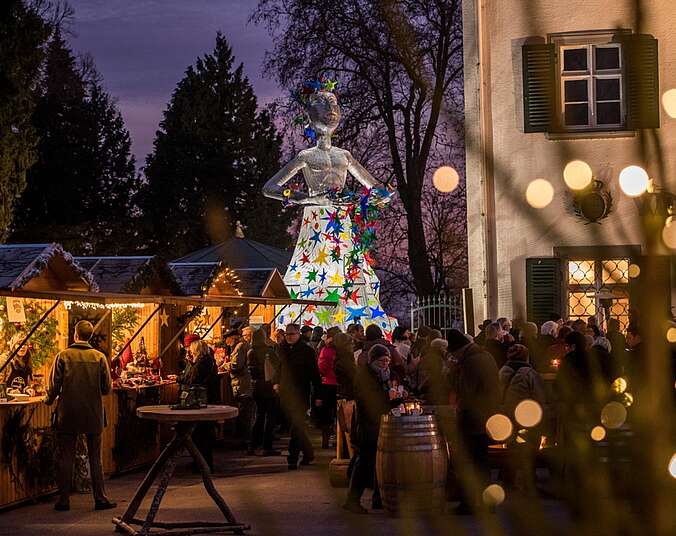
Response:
column 274, row 187
column 360, row 173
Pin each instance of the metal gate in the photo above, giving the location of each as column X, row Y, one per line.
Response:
column 443, row 311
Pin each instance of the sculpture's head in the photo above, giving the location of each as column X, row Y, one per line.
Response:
column 324, row 112
column 320, row 112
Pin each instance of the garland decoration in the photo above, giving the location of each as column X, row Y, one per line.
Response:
column 41, row 343
column 30, row 454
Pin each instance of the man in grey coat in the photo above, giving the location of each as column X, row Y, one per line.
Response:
column 240, row 381
column 80, row 376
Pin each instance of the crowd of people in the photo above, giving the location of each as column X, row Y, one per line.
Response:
column 280, row 379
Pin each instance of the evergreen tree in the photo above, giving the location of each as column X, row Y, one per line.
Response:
column 212, row 154
column 23, row 33
column 80, row 191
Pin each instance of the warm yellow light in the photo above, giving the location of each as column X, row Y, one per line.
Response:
column 528, row 413
column 634, row 180
column 598, row 433
column 613, row 415
column 493, row 495
column 669, row 233
column 627, row 399
column 669, row 102
column 634, row 271
column 445, row 179
column 619, row 385
column 577, row 175
column 672, row 466
column 539, row 193
column 671, row 335
column 499, row 427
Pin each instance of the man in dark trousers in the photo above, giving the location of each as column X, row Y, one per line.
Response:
column 299, row 380
column 475, row 382
column 80, row 376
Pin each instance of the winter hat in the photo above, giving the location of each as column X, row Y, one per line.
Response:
column 603, row 343
column 549, row 328
column 373, row 333
column 517, row 352
column 456, row 339
column 305, row 329
column 377, row 351
column 189, row 339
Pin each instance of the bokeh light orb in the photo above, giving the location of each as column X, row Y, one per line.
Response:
column 446, row 179
column 598, row 433
column 669, row 102
column 493, row 495
column 577, row 174
column 671, row 335
column 619, row 385
column 634, row 271
column 672, row 466
column 539, row 193
column 499, row 427
column 528, row 413
column 613, row 415
column 669, row 233
column 634, row 180
column 627, row 399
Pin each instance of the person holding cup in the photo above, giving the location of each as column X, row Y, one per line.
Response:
column 375, row 395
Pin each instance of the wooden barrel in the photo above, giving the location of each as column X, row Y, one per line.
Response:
column 411, row 465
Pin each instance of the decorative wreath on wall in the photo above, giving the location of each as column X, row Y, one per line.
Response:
column 594, row 203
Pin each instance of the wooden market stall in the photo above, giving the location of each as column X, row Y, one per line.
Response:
column 36, row 327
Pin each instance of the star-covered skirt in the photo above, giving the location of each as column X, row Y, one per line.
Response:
column 327, row 266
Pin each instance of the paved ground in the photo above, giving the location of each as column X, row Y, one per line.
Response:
column 275, row 501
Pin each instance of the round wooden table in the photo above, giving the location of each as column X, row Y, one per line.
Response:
column 184, row 424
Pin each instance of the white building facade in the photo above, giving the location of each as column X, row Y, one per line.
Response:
column 548, row 82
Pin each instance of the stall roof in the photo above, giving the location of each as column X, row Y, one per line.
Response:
column 42, row 267
column 240, row 253
column 132, row 274
column 106, row 298
column 195, row 276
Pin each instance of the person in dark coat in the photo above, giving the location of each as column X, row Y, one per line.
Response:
column 433, row 387
column 201, row 370
column 264, row 366
column 345, row 366
column 618, row 344
column 298, row 381
column 374, row 398
column 240, row 381
column 19, row 375
column 494, row 344
column 475, row 383
column 80, row 377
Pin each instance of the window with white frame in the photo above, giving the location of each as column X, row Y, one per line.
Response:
column 591, row 86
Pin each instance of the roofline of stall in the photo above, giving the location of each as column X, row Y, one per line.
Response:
column 105, row 298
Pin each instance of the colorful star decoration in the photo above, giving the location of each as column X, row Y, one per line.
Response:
column 333, row 263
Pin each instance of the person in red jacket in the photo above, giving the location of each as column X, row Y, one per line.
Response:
column 326, row 412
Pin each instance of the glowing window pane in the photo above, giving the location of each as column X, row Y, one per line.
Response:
column 620, row 309
column 581, row 272
column 581, row 305
column 615, row 271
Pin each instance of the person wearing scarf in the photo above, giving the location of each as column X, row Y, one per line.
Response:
column 374, row 398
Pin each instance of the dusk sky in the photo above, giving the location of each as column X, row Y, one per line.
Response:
column 142, row 48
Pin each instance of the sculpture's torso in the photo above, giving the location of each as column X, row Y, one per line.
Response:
column 325, row 169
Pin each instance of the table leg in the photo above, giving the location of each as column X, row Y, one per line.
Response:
column 159, row 494
column 208, row 482
column 172, row 448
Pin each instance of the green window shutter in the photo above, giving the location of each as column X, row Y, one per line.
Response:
column 544, row 288
column 539, row 87
column 642, row 81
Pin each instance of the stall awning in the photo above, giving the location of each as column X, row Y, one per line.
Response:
column 105, row 298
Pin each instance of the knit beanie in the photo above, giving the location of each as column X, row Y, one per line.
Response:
column 517, row 352
column 456, row 339
column 377, row 351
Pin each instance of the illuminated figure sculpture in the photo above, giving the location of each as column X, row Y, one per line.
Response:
column 330, row 262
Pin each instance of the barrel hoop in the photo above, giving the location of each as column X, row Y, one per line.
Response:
column 411, row 448
column 409, row 486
